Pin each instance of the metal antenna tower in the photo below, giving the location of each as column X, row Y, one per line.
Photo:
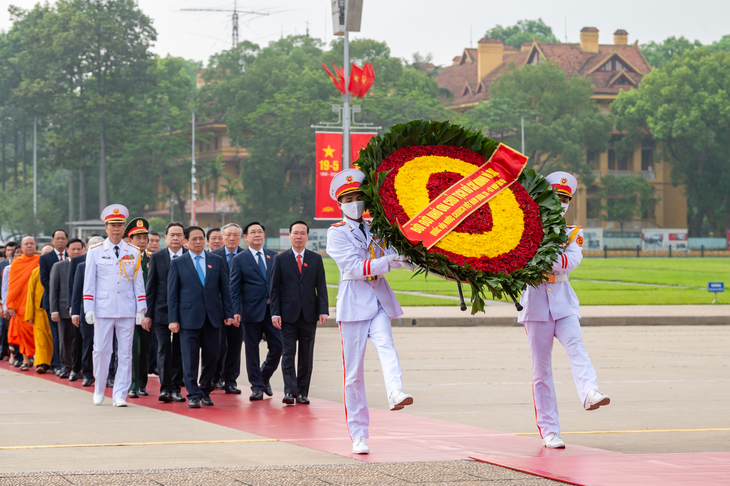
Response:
column 234, row 17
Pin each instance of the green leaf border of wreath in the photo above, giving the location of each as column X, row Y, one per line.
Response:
column 420, row 132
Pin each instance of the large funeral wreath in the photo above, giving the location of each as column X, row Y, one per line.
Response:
column 508, row 243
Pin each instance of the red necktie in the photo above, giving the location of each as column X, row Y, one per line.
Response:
column 299, row 263
column 60, row 257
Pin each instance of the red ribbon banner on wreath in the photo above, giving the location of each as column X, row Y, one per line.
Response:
column 454, row 205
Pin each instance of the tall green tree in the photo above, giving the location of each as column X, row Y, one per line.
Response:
column 684, row 106
column 523, row 31
column 657, row 53
column 626, row 198
column 561, row 119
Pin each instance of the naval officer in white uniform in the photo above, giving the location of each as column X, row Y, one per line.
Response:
column 114, row 301
column 365, row 305
column 552, row 311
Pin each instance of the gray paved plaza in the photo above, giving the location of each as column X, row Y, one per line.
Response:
column 668, row 385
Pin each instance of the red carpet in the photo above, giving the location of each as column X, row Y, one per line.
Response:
column 399, row 437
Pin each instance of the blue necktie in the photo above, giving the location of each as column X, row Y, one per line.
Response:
column 262, row 266
column 200, row 270
column 228, row 257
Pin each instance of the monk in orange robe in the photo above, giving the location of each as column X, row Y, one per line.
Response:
column 39, row 318
column 17, row 299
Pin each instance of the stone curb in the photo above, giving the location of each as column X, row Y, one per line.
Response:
column 471, row 321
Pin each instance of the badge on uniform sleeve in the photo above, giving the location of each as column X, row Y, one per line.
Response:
column 579, row 240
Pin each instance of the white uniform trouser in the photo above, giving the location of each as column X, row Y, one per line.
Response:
column 354, row 336
column 104, row 346
column 540, row 336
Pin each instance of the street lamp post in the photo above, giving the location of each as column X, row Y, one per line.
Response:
column 523, row 134
column 193, row 180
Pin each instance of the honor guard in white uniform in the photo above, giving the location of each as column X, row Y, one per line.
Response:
column 114, row 301
column 365, row 305
column 552, row 310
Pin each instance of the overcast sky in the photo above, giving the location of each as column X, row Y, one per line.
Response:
column 440, row 27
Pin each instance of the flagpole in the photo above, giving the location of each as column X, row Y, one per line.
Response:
column 346, row 104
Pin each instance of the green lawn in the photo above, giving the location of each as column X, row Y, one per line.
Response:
column 594, row 282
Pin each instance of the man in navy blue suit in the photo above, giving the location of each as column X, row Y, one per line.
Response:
column 250, row 280
column 229, row 360
column 199, row 304
column 59, row 240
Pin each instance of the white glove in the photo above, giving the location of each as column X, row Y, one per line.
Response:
column 90, row 317
column 139, row 317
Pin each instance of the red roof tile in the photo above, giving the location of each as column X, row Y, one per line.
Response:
column 569, row 57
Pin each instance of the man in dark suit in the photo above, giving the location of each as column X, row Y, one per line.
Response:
column 199, row 304
column 59, row 240
column 229, row 360
column 169, row 359
column 59, row 307
column 298, row 300
column 250, row 279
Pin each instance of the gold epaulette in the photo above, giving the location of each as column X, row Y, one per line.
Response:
column 133, row 247
column 338, row 224
column 95, row 245
column 573, row 226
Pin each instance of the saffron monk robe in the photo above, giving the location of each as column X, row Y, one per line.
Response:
column 37, row 316
column 365, row 305
column 552, row 311
column 21, row 331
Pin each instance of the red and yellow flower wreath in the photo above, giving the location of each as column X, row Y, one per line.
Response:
column 499, row 237
column 505, row 245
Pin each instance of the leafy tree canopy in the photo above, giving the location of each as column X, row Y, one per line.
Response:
column 523, row 31
column 685, row 106
column 626, row 198
column 561, row 119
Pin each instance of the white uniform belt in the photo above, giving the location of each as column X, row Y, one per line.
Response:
column 349, row 276
column 563, row 277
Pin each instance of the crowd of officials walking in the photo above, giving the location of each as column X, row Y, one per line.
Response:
column 93, row 309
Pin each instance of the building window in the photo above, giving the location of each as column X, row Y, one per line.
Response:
column 534, row 57
column 593, row 208
column 200, row 146
column 611, row 159
column 623, row 163
column 590, row 157
column 647, row 160
column 612, row 65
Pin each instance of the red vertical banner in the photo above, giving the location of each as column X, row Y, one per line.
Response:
column 357, row 142
column 329, row 163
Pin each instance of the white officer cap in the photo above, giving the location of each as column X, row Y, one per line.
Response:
column 564, row 182
column 115, row 213
column 348, row 180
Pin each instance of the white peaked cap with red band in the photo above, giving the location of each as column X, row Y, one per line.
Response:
column 564, row 182
column 115, row 213
column 348, row 180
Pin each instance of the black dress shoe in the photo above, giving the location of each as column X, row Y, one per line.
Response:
column 132, row 394
column 56, row 372
column 64, row 375
column 220, row 385
column 303, row 400
column 194, row 403
column 256, row 395
column 87, row 382
column 233, row 390
column 110, row 382
column 268, row 389
column 165, row 397
column 177, row 397
column 288, row 399
column 207, row 401
column 73, row 376
column 142, row 392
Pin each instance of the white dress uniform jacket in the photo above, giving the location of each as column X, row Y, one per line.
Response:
column 357, row 300
column 557, row 299
column 107, row 292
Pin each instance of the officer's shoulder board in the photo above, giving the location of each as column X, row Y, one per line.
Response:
column 95, row 245
column 340, row 223
column 136, row 248
column 574, row 226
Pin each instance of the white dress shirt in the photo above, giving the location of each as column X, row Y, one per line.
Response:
column 255, row 256
column 202, row 261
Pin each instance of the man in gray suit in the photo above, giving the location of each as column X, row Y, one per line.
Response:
column 59, row 308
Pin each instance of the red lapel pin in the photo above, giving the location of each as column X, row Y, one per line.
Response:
column 210, row 266
column 267, row 256
column 305, row 264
